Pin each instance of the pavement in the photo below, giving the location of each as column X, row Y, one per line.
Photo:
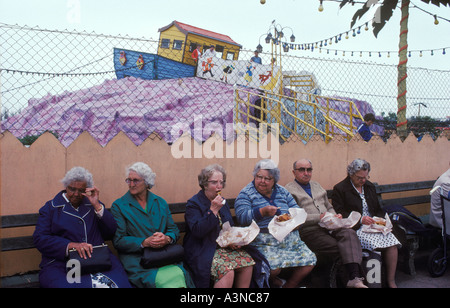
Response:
column 422, row 279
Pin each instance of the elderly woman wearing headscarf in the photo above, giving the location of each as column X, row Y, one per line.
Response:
column 144, row 220
column 357, row 193
column 260, row 201
column 75, row 219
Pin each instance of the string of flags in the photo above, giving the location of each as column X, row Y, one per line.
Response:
column 324, row 45
column 139, row 65
column 380, row 54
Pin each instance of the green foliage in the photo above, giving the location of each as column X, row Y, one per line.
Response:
column 28, row 140
column 418, row 125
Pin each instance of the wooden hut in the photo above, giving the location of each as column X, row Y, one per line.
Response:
column 177, row 41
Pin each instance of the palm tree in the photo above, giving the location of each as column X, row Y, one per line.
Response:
column 382, row 15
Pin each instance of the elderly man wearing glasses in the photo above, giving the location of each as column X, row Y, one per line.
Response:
column 260, row 201
column 342, row 242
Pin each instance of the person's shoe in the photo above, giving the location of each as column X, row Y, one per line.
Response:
column 356, row 283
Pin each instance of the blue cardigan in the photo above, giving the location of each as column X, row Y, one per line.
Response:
column 249, row 201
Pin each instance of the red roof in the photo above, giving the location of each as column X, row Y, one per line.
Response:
column 186, row 29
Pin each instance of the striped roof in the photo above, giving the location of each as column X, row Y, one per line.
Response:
column 186, row 29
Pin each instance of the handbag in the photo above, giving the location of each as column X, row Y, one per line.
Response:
column 98, row 262
column 169, row 254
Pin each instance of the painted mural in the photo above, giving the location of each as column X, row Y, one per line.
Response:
column 240, row 72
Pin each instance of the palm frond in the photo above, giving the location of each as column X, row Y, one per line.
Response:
column 384, row 12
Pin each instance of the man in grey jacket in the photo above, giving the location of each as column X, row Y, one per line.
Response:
column 435, row 210
column 314, row 200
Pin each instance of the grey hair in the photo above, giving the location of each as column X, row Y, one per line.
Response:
column 78, row 174
column 144, row 171
column 357, row 165
column 207, row 172
column 269, row 165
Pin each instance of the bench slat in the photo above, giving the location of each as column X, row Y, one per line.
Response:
column 406, row 201
column 23, row 220
column 17, row 243
column 28, row 280
column 399, row 187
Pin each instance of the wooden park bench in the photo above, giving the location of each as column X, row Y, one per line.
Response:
column 31, row 279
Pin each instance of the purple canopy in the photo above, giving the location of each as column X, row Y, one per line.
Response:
column 137, row 107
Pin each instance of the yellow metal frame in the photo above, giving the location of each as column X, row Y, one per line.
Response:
column 243, row 110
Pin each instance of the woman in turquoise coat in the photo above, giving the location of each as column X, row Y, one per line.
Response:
column 144, row 220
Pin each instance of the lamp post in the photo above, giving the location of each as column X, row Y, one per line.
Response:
column 277, row 39
column 420, row 104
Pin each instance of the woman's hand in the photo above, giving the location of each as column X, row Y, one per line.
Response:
column 366, row 220
column 93, row 194
column 84, row 249
column 157, row 240
column 268, row 210
column 216, row 204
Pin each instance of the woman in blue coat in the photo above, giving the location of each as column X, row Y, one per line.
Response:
column 211, row 265
column 75, row 219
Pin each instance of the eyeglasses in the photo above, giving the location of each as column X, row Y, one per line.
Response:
column 309, row 170
column 361, row 178
column 134, row 181
column 263, row 178
column 217, row 182
column 74, row 190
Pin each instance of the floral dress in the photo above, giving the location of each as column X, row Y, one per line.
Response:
column 226, row 259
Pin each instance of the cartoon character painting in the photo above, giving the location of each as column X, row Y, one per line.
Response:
column 227, row 70
column 207, row 66
column 122, row 58
column 263, row 78
column 140, row 62
column 248, row 77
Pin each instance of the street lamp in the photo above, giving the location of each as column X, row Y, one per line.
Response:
column 277, row 37
column 420, row 104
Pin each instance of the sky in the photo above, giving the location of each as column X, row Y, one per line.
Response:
column 245, row 21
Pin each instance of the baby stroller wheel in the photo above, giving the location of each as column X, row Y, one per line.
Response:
column 437, row 262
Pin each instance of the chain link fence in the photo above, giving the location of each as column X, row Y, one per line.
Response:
column 68, row 82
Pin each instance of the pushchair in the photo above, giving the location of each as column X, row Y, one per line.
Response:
column 438, row 260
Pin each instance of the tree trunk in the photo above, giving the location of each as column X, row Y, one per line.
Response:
column 402, row 74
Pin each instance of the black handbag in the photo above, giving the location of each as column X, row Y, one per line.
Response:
column 169, row 254
column 98, row 262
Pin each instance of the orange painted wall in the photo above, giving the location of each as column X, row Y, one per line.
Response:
column 31, row 175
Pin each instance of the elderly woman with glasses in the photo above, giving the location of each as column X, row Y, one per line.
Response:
column 206, row 212
column 357, row 193
column 75, row 219
column 260, row 201
column 144, row 220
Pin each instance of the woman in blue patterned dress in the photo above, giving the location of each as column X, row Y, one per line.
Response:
column 260, row 201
